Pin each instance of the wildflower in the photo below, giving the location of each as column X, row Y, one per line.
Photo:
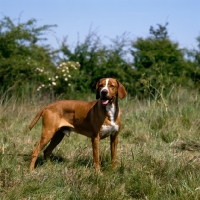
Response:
column 56, row 77
column 69, row 84
column 63, row 70
column 53, row 83
column 73, row 66
column 69, row 75
column 38, row 89
column 64, row 74
column 66, row 79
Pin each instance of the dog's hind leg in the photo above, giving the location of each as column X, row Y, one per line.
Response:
column 45, row 138
column 57, row 138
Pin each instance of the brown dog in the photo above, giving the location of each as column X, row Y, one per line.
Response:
column 97, row 120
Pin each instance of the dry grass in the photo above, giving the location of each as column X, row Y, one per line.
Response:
column 158, row 154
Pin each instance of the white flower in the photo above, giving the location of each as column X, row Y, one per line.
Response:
column 66, row 79
column 63, row 70
column 56, row 77
column 49, row 79
column 69, row 84
column 69, row 75
column 38, row 89
column 53, row 83
column 64, row 74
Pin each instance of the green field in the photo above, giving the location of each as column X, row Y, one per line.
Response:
column 158, row 153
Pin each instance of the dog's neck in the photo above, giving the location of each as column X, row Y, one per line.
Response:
column 111, row 110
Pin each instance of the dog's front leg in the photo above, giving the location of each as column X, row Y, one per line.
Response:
column 95, row 148
column 113, row 148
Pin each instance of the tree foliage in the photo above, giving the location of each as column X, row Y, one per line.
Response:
column 97, row 61
column 20, row 54
column 157, row 63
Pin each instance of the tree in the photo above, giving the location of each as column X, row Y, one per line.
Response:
column 161, row 32
column 97, row 60
column 194, row 59
column 159, row 62
column 20, row 53
column 197, row 52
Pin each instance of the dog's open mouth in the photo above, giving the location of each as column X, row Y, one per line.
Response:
column 105, row 102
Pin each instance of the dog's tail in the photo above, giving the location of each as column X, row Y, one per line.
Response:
column 37, row 117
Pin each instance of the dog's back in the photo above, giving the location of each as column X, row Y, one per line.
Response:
column 68, row 113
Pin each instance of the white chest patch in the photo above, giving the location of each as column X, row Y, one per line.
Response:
column 111, row 129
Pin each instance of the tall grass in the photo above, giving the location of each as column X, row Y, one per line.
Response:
column 158, row 153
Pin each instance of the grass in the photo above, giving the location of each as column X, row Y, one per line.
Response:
column 158, row 154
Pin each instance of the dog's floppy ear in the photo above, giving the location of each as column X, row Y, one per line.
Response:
column 97, row 90
column 121, row 91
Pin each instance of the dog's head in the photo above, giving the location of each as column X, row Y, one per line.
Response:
column 108, row 89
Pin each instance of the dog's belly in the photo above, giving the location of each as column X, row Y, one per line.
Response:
column 107, row 130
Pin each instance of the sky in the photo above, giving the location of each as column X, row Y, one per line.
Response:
column 109, row 18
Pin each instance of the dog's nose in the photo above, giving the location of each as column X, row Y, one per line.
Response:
column 104, row 92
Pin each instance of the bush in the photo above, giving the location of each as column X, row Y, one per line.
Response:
column 20, row 55
column 158, row 65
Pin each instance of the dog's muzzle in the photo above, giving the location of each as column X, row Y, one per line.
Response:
column 104, row 97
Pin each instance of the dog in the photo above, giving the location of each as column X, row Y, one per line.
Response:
column 96, row 120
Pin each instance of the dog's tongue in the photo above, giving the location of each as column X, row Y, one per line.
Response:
column 104, row 102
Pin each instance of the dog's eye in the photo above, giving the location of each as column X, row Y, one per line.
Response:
column 100, row 86
column 112, row 86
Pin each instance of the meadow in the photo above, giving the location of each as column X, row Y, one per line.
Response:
column 158, row 153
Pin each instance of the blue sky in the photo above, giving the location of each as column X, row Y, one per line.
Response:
column 109, row 18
